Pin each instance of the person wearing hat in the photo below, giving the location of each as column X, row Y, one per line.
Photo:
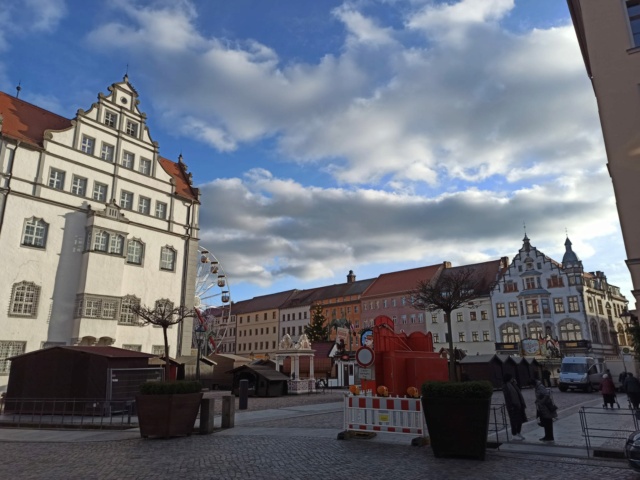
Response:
column 608, row 390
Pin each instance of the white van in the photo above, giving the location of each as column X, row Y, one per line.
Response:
column 584, row 373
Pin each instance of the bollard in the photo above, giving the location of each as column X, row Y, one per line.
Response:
column 228, row 411
column 206, row 415
column 243, row 392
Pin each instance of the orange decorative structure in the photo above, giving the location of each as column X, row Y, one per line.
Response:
column 354, row 389
column 413, row 392
column 382, row 391
column 403, row 361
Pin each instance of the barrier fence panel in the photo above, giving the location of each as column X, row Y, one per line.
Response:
column 606, row 430
column 384, row 414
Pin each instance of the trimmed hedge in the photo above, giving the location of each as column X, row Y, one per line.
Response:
column 170, row 388
column 475, row 389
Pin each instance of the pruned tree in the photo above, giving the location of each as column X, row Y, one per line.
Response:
column 316, row 331
column 163, row 315
column 453, row 288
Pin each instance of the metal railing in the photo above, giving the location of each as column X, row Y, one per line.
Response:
column 606, row 430
column 498, row 422
column 67, row 413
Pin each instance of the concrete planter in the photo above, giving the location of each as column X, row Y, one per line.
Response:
column 167, row 415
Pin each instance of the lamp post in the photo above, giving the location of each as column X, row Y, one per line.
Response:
column 200, row 332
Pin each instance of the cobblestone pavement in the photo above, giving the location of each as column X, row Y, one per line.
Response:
column 268, row 457
column 303, row 447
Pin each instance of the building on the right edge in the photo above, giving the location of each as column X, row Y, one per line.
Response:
column 609, row 36
column 558, row 304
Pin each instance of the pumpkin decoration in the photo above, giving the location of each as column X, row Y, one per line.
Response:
column 413, row 392
column 383, row 391
column 354, row 389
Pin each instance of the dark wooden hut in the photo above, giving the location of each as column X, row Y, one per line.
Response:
column 264, row 380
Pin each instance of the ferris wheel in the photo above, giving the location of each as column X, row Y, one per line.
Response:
column 212, row 301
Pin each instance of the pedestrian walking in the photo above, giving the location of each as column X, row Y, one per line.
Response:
column 546, row 377
column 632, row 387
column 608, row 390
column 516, row 407
column 546, row 410
column 621, row 378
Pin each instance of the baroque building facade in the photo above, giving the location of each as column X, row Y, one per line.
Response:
column 92, row 221
column 540, row 298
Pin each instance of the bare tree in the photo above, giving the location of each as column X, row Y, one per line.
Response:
column 453, row 288
column 163, row 315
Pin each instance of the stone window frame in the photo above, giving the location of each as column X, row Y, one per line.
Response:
column 126, row 316
column 25, row 294
column 40, row 232
column 101, row 309
column 168, row 264
column 8, row 349
column 129, row 259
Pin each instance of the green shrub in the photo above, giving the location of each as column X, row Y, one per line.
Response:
column 170, row 388
column 476, row 389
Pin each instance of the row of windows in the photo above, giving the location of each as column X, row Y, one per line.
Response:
column 462, row 337
column 113, row 243
column 292, row 316
column 265, row 316
column 108, row 154
column 532, row 306
column 79, row 187
column 263, row 331
column 98, row 240
column 246, row 347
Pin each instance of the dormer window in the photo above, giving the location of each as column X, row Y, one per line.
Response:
column 132, row 128
column 110, row 119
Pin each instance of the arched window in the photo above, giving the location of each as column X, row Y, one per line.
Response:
column 167, row 258
column 127, row 317
column 570, row 330
column 535, row 330
column 622, row 338
column 135, row 250
column 117, row 244
column 510, row 333
column 34, row 233
column 101, row 241
column 595, row 331
column 604, row 333
column 24, row 300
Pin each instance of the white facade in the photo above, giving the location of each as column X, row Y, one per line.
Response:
column 91, row 219
column 539, row 297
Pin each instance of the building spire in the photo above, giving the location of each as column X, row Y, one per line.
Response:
column 18, row 88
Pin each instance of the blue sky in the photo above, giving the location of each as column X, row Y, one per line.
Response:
column 329, row 136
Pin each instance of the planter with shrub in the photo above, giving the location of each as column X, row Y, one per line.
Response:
column 457, row 417
column 168, row 409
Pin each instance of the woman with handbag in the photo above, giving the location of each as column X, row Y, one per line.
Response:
column 546, row 409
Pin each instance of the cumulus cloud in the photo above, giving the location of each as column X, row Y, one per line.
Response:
column 289, row 229
column 443, row 134
column 24, row 17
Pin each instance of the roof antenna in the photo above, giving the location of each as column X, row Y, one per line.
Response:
column 18, row 88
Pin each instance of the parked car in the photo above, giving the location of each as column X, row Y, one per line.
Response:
column 632, row 450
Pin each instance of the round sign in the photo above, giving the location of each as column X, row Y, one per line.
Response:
column 364, row 357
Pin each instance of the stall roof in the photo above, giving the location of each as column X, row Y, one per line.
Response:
column 109, row 352
column 267, row 372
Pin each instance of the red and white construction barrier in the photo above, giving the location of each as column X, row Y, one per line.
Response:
column 383, row 414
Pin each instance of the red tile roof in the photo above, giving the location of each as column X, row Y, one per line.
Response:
column 400, row 282
column 28, row 123
column 487, row 274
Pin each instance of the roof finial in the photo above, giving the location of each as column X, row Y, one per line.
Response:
column 180, row 158
column 126, row 74
column 18, row 88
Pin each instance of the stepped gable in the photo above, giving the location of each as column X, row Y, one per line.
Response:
column 28, row 123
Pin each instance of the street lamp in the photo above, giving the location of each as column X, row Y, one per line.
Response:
column 200, row 333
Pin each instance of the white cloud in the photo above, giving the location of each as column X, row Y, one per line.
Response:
column 19, row 18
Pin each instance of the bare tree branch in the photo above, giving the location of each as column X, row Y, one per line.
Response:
column 453, row 288
column 164, row 315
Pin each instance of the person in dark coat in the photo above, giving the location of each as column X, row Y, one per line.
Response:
column 516, row 407
column 546, row 410
column 546, row 377
column 632, row 387
column 608, row 390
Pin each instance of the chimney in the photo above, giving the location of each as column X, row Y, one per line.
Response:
column 504, row 261
column 351, row 277
column 446, row 264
